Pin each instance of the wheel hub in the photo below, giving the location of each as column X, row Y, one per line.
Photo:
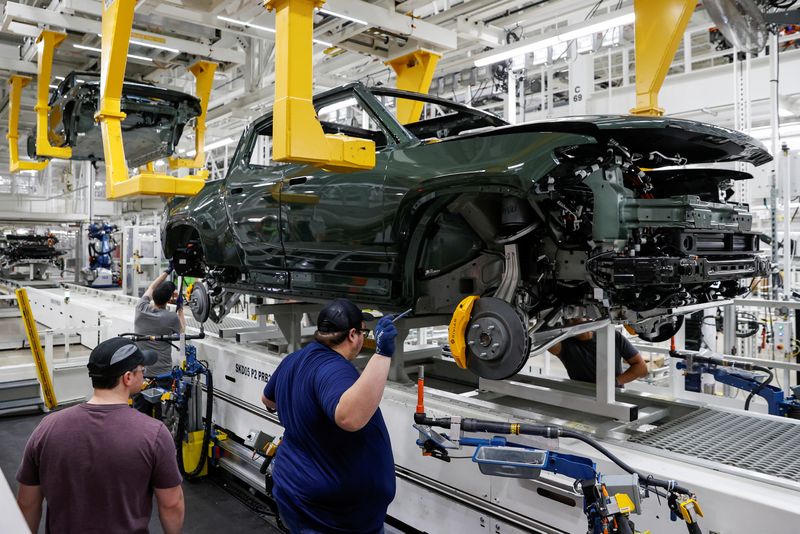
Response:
column 199, row 302
column 488, row 338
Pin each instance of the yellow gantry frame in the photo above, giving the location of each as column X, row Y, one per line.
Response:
column 297, row 135
column 46, row 44
column 414, row 73
column 204, row 78
column 660, row 25
column 17, row 83
column 116, row 25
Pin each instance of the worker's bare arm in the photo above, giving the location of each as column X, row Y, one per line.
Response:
column 170, row 509
column 637, row 369
column 29, row 500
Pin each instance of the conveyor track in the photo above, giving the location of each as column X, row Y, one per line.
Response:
column 763, row 445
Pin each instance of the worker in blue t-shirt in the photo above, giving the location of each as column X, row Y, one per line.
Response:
column 334, row 471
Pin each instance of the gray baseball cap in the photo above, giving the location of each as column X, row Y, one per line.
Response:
column 116, row 356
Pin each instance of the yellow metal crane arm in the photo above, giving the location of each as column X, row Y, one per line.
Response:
column 204, row 78
column 46, row 44
column 414, row 73
column 17, row 83
column 116, row 25
column 659, row 29
column 296, row 132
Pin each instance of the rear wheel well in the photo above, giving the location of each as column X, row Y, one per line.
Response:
column 179, row 236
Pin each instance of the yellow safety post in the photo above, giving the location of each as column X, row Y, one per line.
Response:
column 36, row 348
column 116, row 25
column 17, row 83
column 659, row 30
column 414, row 73
column 204, row 78
column 46, row 44
column 296, row 132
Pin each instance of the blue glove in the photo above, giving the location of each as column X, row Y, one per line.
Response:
column 179, row 302
column 385, row 333
column 169, row 268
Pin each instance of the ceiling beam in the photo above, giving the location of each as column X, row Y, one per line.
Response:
column 22, row 13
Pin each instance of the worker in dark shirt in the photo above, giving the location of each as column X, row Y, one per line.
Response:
column 579, row 356
column 334, row 469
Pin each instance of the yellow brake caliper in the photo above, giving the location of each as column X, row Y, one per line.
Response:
column 456, row 332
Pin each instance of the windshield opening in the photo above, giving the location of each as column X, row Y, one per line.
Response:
column 438, row 119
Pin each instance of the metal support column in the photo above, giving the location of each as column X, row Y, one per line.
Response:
column 787, row 221
column 511, row 97
column 774, row 99
column 606, row 354
column 729, row 330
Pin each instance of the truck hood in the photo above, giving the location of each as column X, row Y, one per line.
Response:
column 697, row 142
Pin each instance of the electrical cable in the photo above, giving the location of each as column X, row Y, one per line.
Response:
column 761, row 386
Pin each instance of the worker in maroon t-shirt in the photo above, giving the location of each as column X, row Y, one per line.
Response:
column 98, row 463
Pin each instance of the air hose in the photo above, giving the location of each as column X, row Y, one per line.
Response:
column 475, row 425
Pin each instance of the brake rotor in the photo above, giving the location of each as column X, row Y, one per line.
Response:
column 199, row 302
column 497, row 341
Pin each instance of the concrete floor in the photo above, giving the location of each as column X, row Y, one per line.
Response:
column 210, row 508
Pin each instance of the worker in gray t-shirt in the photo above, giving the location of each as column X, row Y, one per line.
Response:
column 579, row 356
column 154, row 319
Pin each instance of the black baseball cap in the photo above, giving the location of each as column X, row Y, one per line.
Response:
column 118, row 355
column 340, row 316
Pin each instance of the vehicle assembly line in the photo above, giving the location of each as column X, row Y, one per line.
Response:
column 416, row 266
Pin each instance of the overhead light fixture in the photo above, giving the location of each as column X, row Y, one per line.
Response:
column 53, row 86
column 215, row 144
column 614, row 22
column 245, row 24
column 58, row 77
column 156, row 46
column 220, row 143
column 517, row 51
column 98, row 50
column 150, row 45
column 336, row 106
column 342, row 16
column 522, row 48
column 263, row 28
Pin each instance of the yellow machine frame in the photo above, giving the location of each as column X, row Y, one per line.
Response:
column 18, row 83
column 414, row 73
column 659, row 29
column 116, row 25
column 296, row 132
